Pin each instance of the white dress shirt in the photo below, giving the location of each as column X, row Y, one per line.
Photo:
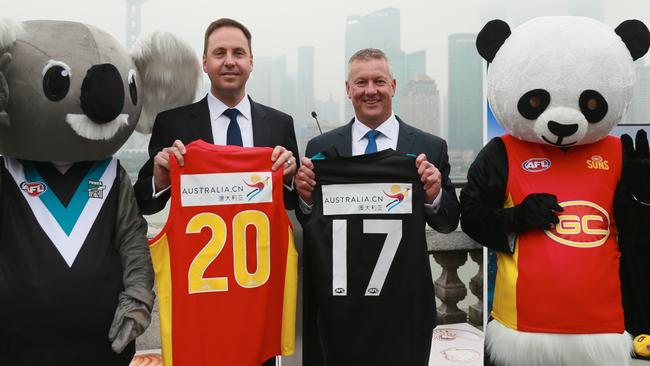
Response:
column 220, row 122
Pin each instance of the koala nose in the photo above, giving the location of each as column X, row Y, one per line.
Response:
column 102, row 93
column 562, row 130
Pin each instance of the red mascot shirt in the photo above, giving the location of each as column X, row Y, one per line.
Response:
column 225, row 262
column 564, row 280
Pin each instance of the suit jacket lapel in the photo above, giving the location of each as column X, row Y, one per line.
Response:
column 343, row 141
column 405, row 137
column 261, row 128
column 201, row 124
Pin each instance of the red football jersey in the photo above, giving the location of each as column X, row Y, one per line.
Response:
column 225, row 262
column 565, row 279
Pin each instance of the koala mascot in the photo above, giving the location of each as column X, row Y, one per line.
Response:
column 75, row 271
column 556, row 195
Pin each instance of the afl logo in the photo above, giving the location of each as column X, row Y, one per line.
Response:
column 583, row 224
column 536, row 165
column 33, row 189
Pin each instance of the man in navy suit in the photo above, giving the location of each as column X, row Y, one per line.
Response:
column 226, row 116
column 228, row 61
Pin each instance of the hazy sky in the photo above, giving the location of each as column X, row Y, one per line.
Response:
column 280, row 26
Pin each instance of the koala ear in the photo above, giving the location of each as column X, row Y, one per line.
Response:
column 491, row 38
column 169, row 74
column 636, row 37
column 10, row 30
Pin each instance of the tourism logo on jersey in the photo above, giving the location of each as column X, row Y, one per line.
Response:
column 397, row 195
column 226, row 188
column 583, row 224
column 597, row 162
column 367, row 198
column 33, row 189
column 536, row 165
column 257, row 183
column 96, row 189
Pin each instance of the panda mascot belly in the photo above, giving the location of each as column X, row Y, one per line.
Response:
column 546, row 196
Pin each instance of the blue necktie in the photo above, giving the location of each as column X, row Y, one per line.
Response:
column 372, row 141
column 233, row 135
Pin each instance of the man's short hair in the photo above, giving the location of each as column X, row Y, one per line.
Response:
column 226, row 22
column 367, row 54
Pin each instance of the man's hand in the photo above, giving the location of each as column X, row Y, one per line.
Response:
column 161, row 178
column 281, row 156
column 430, row 177
column 306, row 180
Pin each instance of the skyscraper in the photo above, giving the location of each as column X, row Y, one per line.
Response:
column 133, row 13
column 305, row 86
column 465, row 97
column 420, row 104
column 382, row 29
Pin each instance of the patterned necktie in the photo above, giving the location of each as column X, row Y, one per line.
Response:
column 372, row 141
column 233, row 135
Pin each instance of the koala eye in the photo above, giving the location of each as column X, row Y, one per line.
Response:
column 133, row 89
column 593, row 105
column 56, row 80
column 532, row 104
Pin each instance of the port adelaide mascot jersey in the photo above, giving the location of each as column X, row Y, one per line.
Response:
column 60, row 273
column 367, row 259
column 225, row 262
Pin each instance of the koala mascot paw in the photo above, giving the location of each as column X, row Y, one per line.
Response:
column 132, row 317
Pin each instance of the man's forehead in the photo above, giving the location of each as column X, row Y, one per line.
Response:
column 228, row 37
column 367, row 67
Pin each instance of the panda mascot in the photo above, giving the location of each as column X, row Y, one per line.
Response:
column 76, row 280
column 556, row 195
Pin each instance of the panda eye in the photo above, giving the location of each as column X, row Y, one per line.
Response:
column 593, row 105
column 56, row 80
column 133, row 89
column 532, row 104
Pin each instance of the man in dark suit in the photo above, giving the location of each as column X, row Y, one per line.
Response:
column 371, row 87
column 228, row 61
column 226, row 116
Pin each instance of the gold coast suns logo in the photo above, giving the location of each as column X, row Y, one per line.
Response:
column 583, row 224
column 397, row 194
column 257, row 183
column 597, row 162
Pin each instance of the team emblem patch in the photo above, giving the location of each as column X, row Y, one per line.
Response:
column 536, row 165
column 33, row 189
column 597, row 162
column 397, row 194
column 257, row 183
column 96, row 189
column 583, row 224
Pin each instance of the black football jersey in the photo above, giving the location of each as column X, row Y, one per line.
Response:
column 367, row 260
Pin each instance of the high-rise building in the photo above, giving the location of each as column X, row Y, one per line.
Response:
column 382, row 29
column 133, row 14
column 305, row 87
column 465, row 97
column 420, row 104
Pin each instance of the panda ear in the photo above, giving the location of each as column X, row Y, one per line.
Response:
column 491, row 38
column 636, row 37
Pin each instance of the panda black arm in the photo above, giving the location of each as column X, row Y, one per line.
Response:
column 483, row 217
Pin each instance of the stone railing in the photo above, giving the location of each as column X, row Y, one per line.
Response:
column 451, row 251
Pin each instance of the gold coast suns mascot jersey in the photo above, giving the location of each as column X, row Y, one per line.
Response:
column 225, row 262
column 565, row 279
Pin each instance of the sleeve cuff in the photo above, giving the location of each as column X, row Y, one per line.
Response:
column 305, row 208
column 435, row 205
column 153, row 189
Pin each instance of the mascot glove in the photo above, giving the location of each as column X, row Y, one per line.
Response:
column 636, row 171
column 132, row 317
column 536, row 211
column 5, row 59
